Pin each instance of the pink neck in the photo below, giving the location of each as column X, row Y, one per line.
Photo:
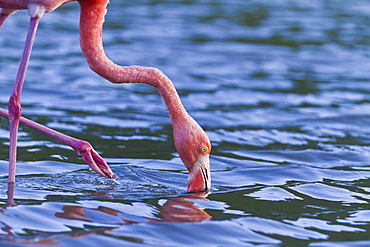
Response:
column 91, row 26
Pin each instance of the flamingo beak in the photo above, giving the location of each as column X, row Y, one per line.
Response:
column 199, row 175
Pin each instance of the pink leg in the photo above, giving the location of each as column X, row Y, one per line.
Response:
column 15, row 110
column 14, row 105
column 83, row 148
column 4, row 13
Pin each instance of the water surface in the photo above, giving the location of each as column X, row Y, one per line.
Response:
column 281, row 88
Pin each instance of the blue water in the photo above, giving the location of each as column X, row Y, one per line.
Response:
column 281, row 88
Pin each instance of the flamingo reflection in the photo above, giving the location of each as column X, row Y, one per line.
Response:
column 176, row 209
column 184, row 208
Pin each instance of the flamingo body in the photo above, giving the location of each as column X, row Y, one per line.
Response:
column 47, row 5
column 190, row 140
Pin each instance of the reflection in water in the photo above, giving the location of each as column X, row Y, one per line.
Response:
column 102, row 218
column 184, row 209
column 177, row 209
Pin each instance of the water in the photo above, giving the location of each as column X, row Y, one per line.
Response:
column 281, row 88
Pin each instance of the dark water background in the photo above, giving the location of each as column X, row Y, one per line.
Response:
column 281, row 88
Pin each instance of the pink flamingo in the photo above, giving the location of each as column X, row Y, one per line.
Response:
column 191, row 142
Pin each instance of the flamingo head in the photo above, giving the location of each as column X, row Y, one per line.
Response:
column 194, row 148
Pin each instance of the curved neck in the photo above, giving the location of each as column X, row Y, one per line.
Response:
column 91, row 26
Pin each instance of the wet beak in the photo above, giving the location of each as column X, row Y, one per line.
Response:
column 199, row 175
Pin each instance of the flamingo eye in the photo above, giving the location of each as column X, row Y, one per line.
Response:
column 204, row 149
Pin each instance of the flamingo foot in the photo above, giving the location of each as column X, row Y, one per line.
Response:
column 93, row 159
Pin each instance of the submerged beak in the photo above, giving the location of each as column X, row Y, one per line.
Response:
column 200, row 175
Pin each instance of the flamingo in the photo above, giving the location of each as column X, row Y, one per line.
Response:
column 191, row 142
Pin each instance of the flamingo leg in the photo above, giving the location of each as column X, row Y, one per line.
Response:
column 83, row 148
column 14, row 106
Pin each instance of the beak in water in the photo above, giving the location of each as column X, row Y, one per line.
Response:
column 200, row 175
